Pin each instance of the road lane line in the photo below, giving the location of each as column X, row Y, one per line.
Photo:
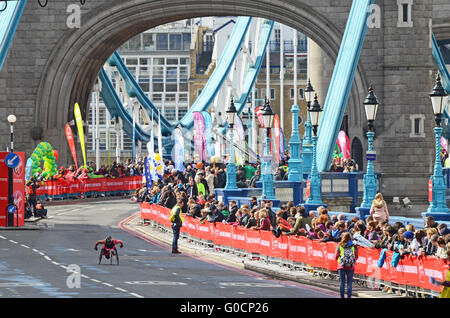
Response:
column 23, row 245
column 47, row 258
column 121, row 289
column 12, row 241
column 2, row 237
column 136, row 295
column 106, row 284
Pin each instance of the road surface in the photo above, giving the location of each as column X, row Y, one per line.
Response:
column 58, row 260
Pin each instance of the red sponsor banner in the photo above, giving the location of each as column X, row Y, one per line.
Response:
column 265, row 243
column 410, row 271
column 146, row 211
column 298, row 248
column 252, row 240
column 222, row 234
column 75, row 186
column 238, row 237
column 69, row 136
column 18, row 190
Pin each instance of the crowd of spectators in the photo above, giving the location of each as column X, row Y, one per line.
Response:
column 339, row 164
column 196, row 186
column 116, row 170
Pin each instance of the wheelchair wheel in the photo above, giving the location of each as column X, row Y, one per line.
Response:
column 116, row 253
column 100, row 257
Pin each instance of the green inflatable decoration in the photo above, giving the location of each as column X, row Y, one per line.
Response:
column 43, row 151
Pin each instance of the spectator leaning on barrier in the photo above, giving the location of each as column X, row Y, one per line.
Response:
column 263, row 221
column 252, row 221
column 443, row 230
column 386, row 238
column 430, row 223
column 432, row 235
column 418, row 245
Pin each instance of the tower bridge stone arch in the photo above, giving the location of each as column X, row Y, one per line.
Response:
column 50, row 67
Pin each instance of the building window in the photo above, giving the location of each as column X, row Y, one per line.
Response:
column 170, row 114
column 148, row 40
column 404, row 13
column 300, row 94
column 199, row 91
column 175, row 42
column 264, row 95
column 162, row 41
column 417, row 126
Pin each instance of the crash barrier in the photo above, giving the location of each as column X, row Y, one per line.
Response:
column 410, row 271
column 65, row 189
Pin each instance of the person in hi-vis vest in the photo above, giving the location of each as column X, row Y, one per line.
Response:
column 176, row 218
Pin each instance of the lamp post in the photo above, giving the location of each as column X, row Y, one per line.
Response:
column 268, row 191
column 438, row 205
column 10, row 220
column 315, row 198
column 307, row 140
column 12, row 120
column 231, row 167
column 295, row 161
column 249, row 127
column 370, row 180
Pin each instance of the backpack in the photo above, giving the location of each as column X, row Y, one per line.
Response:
column 347, row 256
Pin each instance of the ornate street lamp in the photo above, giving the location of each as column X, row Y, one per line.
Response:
column 315, row 198
column 295, row 161
column 309, row 93
column 231, row 167
column 370, row 180
column 438, row 204
column 268, row 191
column 307, row 140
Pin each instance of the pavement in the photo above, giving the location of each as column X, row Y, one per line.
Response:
column 276, row 271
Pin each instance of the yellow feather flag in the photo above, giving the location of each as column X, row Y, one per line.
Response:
column 79, row 122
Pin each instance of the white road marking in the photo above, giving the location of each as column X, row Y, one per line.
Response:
column 159, row 283
column 65, row 267
column 258, row 285
column 20, row 285
column 122, row 290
